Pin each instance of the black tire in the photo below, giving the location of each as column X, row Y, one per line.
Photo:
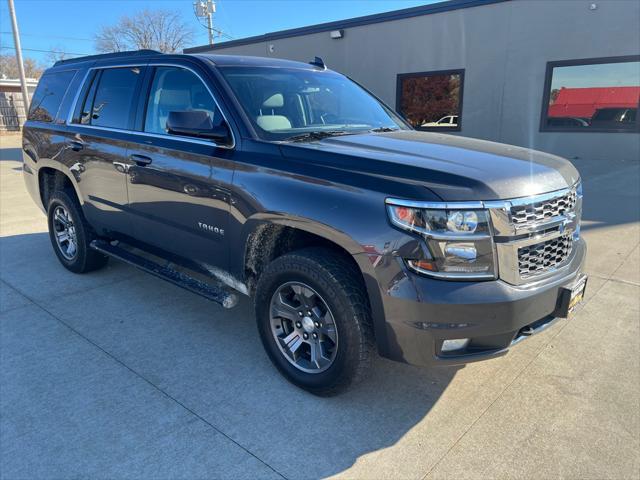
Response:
column 85, row 258
column 339, row 284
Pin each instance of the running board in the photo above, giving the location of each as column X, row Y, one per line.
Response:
column 181, row 279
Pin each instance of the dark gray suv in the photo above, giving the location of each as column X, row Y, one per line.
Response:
column 292, row 184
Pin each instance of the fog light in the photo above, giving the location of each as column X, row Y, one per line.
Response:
column 453, row 345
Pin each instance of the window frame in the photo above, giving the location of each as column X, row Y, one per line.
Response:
column 546, row 94
column 432, row 73
column 144, row 84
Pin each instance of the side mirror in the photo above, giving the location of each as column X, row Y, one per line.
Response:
column 197, row 123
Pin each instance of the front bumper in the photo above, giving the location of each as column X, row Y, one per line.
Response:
column 422, row 312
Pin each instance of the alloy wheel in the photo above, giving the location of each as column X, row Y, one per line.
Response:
column 65, row 233
column 303, row 327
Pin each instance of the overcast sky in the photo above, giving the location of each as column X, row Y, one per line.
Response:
column 70, row 24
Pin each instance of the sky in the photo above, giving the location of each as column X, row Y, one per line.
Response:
column 70, row 25
column 602, row 75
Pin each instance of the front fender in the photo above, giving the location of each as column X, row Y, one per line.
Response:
column 366, row 261
column 308, row 225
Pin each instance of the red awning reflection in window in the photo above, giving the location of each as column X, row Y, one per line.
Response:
column 583, row 102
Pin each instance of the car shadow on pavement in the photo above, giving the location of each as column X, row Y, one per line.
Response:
column 210, row 361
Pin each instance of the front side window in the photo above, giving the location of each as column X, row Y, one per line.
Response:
column 176, row 89
column 114, row 98
column 48, row 95
column 431, row 100
column 589, row 95
column 283, row 103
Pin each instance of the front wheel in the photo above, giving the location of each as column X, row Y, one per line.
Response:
column 314, row 321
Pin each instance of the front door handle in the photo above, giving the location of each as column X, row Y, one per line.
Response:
column 140, row 160
column 75, row 145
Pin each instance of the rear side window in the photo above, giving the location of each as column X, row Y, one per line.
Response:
column 114, row 97
column 175, row 89
column 49, row 94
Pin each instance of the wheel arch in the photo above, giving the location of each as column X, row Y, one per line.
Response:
column 52, row 178
column 266, row 237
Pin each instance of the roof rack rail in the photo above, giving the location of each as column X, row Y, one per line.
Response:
column 103, row 56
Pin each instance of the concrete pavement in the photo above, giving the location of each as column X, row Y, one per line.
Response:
column 117, row 374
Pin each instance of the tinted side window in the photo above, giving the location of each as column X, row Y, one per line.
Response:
column 114, row 97
column 174, row 90
column 48, row 96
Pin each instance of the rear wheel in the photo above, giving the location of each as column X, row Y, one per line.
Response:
column 313, row 319
column 71, row 235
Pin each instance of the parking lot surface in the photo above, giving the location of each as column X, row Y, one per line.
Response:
column 116, row 374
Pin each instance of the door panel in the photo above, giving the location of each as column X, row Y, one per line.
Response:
column 179, row 187
column 101, row 183
column 179, row 201
column 97, row 143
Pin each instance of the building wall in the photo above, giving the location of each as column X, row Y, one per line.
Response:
column 12, row 111
column 503, row 48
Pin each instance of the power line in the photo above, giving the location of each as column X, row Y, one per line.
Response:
column 215, row 30
column 46, row 51
column 206, row 9
column 49, row 36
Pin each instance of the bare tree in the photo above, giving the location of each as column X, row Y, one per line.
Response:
column 56, row 53
column 161, row 30
column 9, row 67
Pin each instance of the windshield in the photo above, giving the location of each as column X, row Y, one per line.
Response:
column 289, row 103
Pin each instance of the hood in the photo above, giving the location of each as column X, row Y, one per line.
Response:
column 454, row 168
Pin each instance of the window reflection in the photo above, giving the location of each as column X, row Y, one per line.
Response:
column 601, row 96
column 431, row 100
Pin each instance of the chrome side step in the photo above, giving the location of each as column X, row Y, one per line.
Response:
column 209, row 291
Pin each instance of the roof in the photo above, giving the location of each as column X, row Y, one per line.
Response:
column 107, row 56
column 218, row 60
column 249, row 61
column 349, row 23
column 583, row 102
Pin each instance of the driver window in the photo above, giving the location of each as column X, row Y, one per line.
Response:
column 176, row 89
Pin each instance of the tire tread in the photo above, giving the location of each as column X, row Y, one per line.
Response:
column 325, row 265
column 88, row 260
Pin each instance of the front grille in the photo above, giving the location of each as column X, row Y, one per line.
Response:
column 541, row 257
column 538, row 212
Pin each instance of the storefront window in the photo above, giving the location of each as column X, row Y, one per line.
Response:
column 431, row 100
column 592, row 95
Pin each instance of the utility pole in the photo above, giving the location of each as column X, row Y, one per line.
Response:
column 18, row 47
column 206, row 9
column 210, row 25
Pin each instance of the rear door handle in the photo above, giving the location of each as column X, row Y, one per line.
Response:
column 141, row 160
column 75, row 145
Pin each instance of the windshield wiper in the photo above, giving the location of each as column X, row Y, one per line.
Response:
column 316, row 135
column 383, row 129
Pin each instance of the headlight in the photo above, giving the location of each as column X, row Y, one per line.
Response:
column 459, row 239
